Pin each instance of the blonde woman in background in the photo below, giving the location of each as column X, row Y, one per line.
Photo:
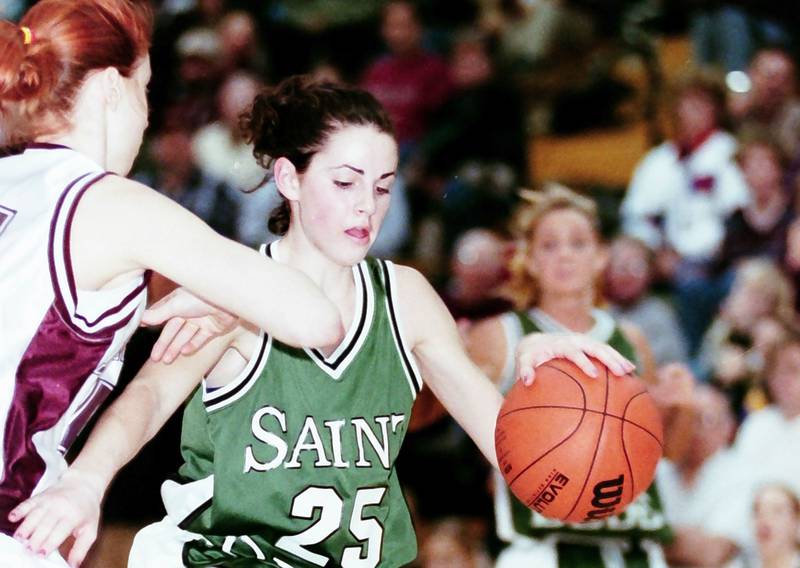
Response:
column 554, row 287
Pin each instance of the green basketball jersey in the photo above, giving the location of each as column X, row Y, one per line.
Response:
column 298, row 452
column 643, row 519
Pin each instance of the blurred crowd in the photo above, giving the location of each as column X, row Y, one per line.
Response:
column 703, row 244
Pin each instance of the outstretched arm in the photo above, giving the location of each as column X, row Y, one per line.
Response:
column 121, row 227
column 72, row 505
column 458, row 383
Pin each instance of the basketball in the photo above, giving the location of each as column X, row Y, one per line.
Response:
column 576, row 448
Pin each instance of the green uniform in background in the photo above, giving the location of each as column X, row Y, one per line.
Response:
column 302, row 447
column 628, row 540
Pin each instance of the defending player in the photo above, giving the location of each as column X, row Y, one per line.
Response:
column 77, row 238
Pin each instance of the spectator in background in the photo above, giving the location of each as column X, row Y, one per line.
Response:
column 628, row 277
column 172, row 23
column 473, row 153
column 453, row 543
column 175, row 174
column 754, row 317
column 702, row 493
column 410, row 81
column 241, row 44
column 776, row 516
column 768, row 439
column 192, row 96
column 478, row 267
column 532, row 34
column 727, row 34
column 300, row 34
column 771, row 103
column 223, row 153
column 760, row 228
column 681, row 193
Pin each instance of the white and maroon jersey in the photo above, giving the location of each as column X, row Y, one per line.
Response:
column 60, row 347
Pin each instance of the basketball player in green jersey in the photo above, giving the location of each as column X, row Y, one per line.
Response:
column 289, row 453
column 553, row 284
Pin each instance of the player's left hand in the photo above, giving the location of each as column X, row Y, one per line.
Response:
column 537, row 348
column 71, row 507
column 191, row 323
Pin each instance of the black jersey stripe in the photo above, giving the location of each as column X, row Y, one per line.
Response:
column 361, row 323
column 396, row 328
column 191, row 517
column 219, row 399
column 316, row 354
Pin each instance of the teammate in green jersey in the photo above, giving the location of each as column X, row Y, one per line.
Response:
column 553, row 284
column 289, row 453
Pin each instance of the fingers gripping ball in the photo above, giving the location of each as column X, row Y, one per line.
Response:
column 576, row 448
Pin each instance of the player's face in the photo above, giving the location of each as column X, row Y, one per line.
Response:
column 131, row 120
column 565, row 256
column 345, row 192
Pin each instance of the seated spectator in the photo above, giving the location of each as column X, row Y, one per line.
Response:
column 222, row 152
column 771, row 103
column 768, row 439
column 760, row 228
column 680, row 195
column 754, row 317
column 241, row 44
column 409, row 81
column 453, row 543
column 478, row 267
column 702, row 492
column 473, row 153
column 628, row 276
column 776, row 516
column 176, row 175
column 191, row 98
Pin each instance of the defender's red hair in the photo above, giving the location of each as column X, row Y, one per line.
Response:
column 39, row 80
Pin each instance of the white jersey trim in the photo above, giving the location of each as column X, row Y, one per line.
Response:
column 63, row 276
column 242, row 383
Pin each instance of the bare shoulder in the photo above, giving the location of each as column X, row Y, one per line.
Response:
column 422, row 311
column 487, row 346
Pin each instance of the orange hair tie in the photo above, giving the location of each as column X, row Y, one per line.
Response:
column 27, row 35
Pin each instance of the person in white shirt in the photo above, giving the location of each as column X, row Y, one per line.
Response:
column 702, row 493
column 680, row 195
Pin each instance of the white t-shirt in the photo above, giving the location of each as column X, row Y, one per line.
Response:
column 692, row 195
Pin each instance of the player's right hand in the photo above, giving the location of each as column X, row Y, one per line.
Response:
column 71, row 507
column 537, row 348
column 190, row 324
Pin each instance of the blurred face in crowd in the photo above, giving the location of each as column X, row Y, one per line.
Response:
column 714, row 425
column 784, row 380
column 761, row 167
column 748, row 302
column 628, row 273
column 470, row 64
column 777, row 521
column 565, row 256
column 401, row 28
column 773, row 77
column 479, row 260
column 695, row 115
column 235, row 96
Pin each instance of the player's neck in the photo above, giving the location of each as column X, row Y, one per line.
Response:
column 82, row 141
column 295, row 250
column 573, row 311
